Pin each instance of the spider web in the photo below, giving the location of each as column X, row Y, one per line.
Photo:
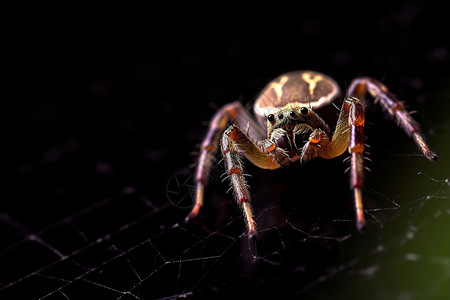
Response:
column 110, row 229
column 99, row 187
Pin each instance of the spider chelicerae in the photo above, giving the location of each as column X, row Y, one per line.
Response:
column 288, row 107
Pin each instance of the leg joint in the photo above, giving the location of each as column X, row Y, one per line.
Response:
column 357, row 113
column 243, row 200
column 232, row 132
column 234, row 171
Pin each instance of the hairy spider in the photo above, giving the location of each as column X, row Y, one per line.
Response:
column 288, row 107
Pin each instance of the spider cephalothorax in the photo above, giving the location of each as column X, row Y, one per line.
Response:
column 287, row 128
column 287, row 107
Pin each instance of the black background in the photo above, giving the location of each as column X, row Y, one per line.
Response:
column 104, row 109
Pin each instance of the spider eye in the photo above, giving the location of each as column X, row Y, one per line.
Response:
column 292, row 114
column 304, row 111
column 280, row 116
column 271, row 118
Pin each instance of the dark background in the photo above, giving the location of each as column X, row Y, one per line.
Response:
column 104, row 109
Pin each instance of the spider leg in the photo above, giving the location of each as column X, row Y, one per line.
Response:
column 349, row 134
column 235, row 140
column 394, row 107
column 232, row 112
column 234, row 170
column 356, row 148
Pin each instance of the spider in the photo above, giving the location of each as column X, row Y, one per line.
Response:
column 288, row 107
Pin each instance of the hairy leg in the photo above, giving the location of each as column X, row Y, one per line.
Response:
column 349, row 134
column 361, row 86
column 232, row 142
column 233, row 112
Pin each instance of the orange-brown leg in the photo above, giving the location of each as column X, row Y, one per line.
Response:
column 394, row 107
column 234, row 171
column 208, row 151
column 349, row 134
column 233, row 112
column 234, row 140
column 356, row 148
